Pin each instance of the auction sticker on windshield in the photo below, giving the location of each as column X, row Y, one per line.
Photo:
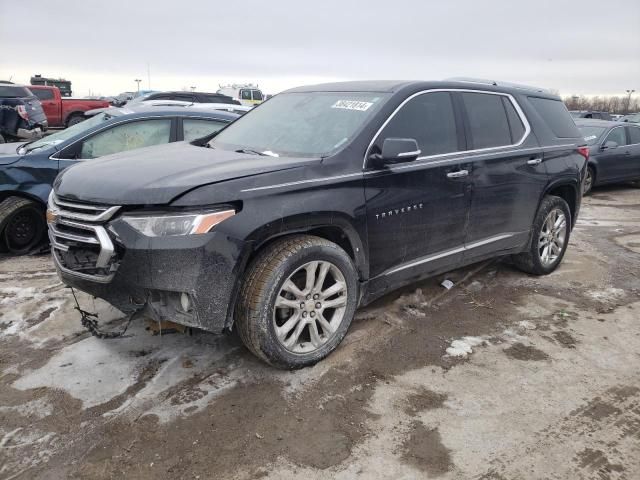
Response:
column 352, row 105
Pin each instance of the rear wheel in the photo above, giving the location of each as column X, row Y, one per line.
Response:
column 22, row 225
column 588, row 181
column 297, row 302
column 549, row 238
column 75, row 119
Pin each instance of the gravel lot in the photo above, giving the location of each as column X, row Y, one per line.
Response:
column 504, row 376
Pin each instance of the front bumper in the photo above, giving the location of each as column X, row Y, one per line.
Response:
column 187, row 279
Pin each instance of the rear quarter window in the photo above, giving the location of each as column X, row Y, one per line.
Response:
column 556, row 116
column 14, row 92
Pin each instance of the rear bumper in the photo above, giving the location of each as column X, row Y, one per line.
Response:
column 30, row 133
column 189, row 279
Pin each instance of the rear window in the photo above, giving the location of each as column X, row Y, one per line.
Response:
column 10, row 91
column 556, row 116
column 591, row 134
column 43, row 94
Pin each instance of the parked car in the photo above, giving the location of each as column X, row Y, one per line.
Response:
column 64, row 111
column 614, row 152
column 21, row 114
column 27, row 170
column 190, row 97
column 590, row 114
column 631, row 118
column 318, row 201
column 247, row 94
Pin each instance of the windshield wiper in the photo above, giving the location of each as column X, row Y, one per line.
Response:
column 248, row 150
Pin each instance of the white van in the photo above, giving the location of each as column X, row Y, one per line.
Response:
column 246, row 94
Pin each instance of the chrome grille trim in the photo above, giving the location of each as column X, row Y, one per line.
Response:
column 65, row 216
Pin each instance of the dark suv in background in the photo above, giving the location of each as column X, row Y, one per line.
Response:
column 319, row 201
column 21, row 114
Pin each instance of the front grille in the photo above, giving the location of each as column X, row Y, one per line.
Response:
column 80, row 243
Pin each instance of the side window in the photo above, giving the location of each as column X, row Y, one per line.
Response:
column 634, row 135
column 245, row 94
column 198, row 128
column 184, row 97
column 617, row 135
column 127, row 137
column 43, row 94
column 487, row 120
column 515, row 122
column 427, row 118
column 257, row 95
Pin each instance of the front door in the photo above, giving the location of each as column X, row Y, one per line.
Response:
column 417, row 211
column 612, row 159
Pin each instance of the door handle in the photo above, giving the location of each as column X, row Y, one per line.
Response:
column 458, row 174
column 534, row 161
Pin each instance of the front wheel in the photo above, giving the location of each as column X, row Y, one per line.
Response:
column 588, row 181
column 297, row 302
column 22, row 225
column 549, row 238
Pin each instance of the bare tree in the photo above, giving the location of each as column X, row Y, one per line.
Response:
column 612, row 104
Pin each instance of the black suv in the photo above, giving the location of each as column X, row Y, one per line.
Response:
column 319, row 201
column 21, row 114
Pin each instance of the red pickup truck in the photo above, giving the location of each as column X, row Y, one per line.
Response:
column 63, row 111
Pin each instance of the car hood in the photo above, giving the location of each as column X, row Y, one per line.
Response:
column 9, row 152
column 157, row 175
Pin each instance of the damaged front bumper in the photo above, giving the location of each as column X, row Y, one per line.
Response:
column 29, row 134
column 187, row 279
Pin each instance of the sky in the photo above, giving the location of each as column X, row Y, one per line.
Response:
column 575, row 47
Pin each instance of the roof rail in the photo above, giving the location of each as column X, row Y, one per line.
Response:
column 497, row 84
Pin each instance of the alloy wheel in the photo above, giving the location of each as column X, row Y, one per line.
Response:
column 310, row 307
column 552, row 237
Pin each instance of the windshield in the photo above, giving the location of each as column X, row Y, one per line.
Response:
column 591, row 134
column 575, row 114
column 314, row 124
column 62, row 135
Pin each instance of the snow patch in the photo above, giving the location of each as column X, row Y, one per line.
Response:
column 464, row 346
column 609, row 294
column 39, row 408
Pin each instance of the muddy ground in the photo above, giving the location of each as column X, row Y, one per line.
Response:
column 504, row 376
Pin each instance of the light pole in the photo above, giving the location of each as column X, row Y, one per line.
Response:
column 629, row 92
column 137, row 80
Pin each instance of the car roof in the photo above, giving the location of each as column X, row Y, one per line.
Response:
column 150, row 111
column 394, row 86
column 592, row 122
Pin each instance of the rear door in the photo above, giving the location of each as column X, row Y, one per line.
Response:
column 509, row 173
column 632, row 163
column 417, row 211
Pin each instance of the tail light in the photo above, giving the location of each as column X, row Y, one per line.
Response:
column 584, row 151
column 22, row 111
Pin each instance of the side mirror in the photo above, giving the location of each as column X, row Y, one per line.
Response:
column 399, row 150
column 609, row 144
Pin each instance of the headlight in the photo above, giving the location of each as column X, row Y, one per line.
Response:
column 171, row 225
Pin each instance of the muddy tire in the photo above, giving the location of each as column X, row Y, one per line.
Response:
column 22, row 225
column 75, row 119
column 297, row 301
column 589, row 181
column 549, row 238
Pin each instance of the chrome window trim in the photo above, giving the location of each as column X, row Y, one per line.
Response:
column 523, row 119
column 446, row 253
column 414, row 164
